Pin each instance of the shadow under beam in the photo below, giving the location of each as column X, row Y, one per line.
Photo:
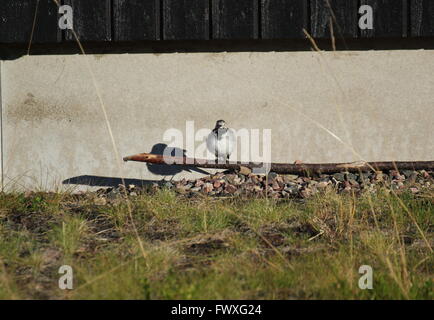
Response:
column 11, row 51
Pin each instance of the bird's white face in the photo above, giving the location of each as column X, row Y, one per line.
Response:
column 220, row 124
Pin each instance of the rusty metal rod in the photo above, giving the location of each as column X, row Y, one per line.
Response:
column 286, row 168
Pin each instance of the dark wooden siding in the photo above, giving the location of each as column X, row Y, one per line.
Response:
column 422, row 18
column 137, row 20
column 235, row 19
column 17, row 17
column 283, row 19
column 339, row 14
column 92, row 20
column 390, row 18
column 186, row 20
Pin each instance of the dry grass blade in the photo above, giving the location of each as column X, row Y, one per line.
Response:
column 109, row 129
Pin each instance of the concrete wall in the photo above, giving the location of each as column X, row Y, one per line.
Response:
column 381, row 102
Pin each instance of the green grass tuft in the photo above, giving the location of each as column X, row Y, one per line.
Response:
column 207, row 248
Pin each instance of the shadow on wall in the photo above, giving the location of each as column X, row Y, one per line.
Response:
column 157, row 169
column 98, row 181
column 164, row 170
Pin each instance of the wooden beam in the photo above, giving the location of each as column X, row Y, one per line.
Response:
column 286, row 168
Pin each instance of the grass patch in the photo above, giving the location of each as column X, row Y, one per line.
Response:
column 207, row 248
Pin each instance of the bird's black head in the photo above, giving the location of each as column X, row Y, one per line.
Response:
column 220, row 124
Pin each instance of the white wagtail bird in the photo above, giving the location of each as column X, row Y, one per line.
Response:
column 221, row 141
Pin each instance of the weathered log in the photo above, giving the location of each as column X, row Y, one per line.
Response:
column 286, row 168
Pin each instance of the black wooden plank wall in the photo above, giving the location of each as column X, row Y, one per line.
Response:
column 341, row 13
column 186, row 20
column 137, row 20
column 422, row 18
column 17, row 17
column 92, row 20
column 390, row 18
column 283, row 19
column 235, row 19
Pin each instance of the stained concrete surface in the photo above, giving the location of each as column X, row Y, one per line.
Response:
column 379, row 102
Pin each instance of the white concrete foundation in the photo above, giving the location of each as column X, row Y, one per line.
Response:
column 380, row 102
